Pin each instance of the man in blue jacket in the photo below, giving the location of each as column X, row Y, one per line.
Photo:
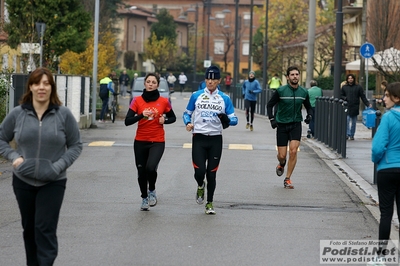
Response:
column 251, row 87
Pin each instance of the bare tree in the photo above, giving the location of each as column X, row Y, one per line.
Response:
column 383, row 21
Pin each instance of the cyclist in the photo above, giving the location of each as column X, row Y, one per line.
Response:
column 106, row 86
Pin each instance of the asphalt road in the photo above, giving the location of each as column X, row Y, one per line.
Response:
column 258, row 222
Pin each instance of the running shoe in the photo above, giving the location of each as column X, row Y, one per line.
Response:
column 200, row 194
column 145, row 204
column 287, row 183
column 251, row 127
column 247, row 126
column 280, row 169
column 210, row 208
column 152, row 198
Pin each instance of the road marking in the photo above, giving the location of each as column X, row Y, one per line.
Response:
column 102, row 143
column 187, row 145
column 240, row 147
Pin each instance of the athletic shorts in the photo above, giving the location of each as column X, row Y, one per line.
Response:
column 287, row 132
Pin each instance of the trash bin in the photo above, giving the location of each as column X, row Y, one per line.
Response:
column 368, row 117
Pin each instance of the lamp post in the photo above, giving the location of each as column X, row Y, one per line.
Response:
column 265, row 49
column 235, row 51
column 196, row 19
column 208, row 29
column 41, row 27
column 251, row 37
column 338, row 49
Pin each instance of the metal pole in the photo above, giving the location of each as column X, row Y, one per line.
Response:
column 195, row 47
column 338, row 49
column 311, row 42
column 95, row 50
column 41, row 44
column 235, row 53
column 265, row 50
column 251, row 37
column 208, row 29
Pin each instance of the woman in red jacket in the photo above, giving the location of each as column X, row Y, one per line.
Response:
column 152, row 112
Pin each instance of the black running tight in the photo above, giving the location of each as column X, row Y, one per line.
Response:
column 388, row 191
column 147, row 157
column 250, row 105
column 206, row 155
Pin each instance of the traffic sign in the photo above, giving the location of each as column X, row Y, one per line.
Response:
column 207, row 63
column 367, row 50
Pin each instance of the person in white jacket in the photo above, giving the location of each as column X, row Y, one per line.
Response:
column 171, row 81
column 182, row 81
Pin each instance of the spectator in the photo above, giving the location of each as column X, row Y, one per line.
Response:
column 124, row 82
column 313, row 92
column 48, row 142
column 182, row 81
column 352, row 92
column 228, row 82
column 171, row 82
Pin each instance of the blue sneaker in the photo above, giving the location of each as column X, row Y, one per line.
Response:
column 152, row 198
column 145, row 204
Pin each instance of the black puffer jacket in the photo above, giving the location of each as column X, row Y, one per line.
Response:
column 352, row 94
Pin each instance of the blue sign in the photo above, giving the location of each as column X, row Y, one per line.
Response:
column 367, row 50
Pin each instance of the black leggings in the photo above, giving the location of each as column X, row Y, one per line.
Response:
column 250, row 105
column 147, row 157
column 206, row 149
column 40, row 210
column 388, row 191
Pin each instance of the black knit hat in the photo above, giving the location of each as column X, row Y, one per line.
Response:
column 213, row 73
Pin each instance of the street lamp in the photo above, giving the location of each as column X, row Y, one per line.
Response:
column 196, row 19
column 235, row 50
column 208, row 29
column 41, row 27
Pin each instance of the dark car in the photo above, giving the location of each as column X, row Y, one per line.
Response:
column 138, row 86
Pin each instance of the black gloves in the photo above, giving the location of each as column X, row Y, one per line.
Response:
column 243, row 96
column 224, row 120
column 308, row 119
column 274, row 124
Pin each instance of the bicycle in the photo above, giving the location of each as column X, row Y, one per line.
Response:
column 113, row 108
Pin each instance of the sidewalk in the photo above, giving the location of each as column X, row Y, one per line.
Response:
column 357, row 169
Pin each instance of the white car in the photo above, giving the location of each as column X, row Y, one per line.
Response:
column 138, row 86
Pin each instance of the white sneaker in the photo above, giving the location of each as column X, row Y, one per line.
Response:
column 145, row 204
column 152, row 198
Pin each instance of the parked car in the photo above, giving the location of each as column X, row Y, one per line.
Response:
column 138, row 86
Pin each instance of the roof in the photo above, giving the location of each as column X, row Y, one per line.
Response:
column 388, row 59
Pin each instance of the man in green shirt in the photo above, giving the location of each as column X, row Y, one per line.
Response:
column 313, row 92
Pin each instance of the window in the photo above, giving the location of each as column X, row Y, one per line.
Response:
column 5, row 61
column 142, row 40
column 219, row 46
column 220, row 19
column 180, row 39
column 246, row 19
column 245, row 48
column 134, row 33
